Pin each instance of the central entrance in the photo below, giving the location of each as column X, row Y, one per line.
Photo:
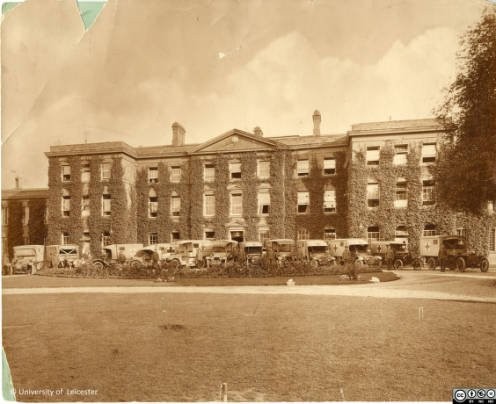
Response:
column 237, row 235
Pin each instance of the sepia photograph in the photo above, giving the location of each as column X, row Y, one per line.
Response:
column 248, row 201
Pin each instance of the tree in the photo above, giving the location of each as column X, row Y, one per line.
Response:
column 466, row 173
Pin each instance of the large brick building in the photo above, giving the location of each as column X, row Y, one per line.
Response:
column 372, row 182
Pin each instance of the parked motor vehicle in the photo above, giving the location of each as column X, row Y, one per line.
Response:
column 27, row 258
column 450, row 252
column 219, row 252
column 61, row 256
column 401, row 253
column 163, row 252
column 192, row 253
column 361, row 248
column 280, row 250
column 114, row 253
column 251, row 252
column 316, row 252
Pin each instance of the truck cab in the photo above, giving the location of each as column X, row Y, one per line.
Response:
column 316, row 252
column 359, row 246
column 28, row 258
column 61, row 256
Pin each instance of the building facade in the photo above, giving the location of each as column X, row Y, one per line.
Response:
column 373, row 182
column 24, row 219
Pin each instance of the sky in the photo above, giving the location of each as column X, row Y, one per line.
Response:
column 214, row 66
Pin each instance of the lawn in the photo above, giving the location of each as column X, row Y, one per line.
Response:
column 265, row 347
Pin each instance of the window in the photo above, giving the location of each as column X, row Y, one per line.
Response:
column 263, row 234
column 66, row 173
column 105, row 238
column 329, row 166
column 263, row 203
column 330, row 201
column 329, row 233
column 400, row 154
column 175, row 236
column 236, row 204
column 263, row 169
column 429, row 153
column 235, row 170
column 373, row 233
column 492, row 240
column 66, row 203
column 153, row 175
column 85, row 173
column 428, row 196
column 152, row 238
column 175, row 206
column 302, row 234
column 490, row 207
column 25, row 214
column 175, row 174
column 430, row 229
column 303, row 201
column 401, row 234
column 5, row 215
column 105, row 171
column 152, row 203
column 64, row 239
column 106, row 202
column 302, row 168
column 209, row 172
column 209, row 234
column 85, row 206
column 461, row 232
column 372, row 194
column 401, row 200
column 372, row 155
column 209, row 204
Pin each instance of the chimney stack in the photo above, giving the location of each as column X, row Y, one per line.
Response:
column 316, row 123
column 17, row 183
column 178, row 134
column 257, row 131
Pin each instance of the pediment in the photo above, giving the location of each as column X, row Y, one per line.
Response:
column 236, row 141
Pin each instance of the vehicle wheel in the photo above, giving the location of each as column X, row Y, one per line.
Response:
column 417, row 264
column 432, row 263
column 314, row 263
column 200, row 264
column 484, row 265
column 98, row 265
column 135, row 264
column 60, row 265
column 460, row 264
column 397, row 264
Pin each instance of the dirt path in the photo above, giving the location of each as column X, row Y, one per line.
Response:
column 410, row 286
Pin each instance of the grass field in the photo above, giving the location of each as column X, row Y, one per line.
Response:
column 265, row 347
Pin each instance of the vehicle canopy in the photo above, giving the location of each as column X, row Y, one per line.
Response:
column 164, row 250
column 191, row 245
column 281, row 244
column 251, row 247
column 31, row 252
column 337, row 246
column 126, row 251
column 430, row 245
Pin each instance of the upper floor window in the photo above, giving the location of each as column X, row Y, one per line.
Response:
column 209, row 172
column 66, row 203
column 401, row 200
column 175, row 205
column 234, row 170
column 428, row 195
column 373, row 155
column 303, row 202
column 429, row 153
column 152, row 203
column 400, row 154
column 85, row 172
column 175, row 174
column 263, row 169
column 106, row 202
column 236, row 204
column 5, row 215
column 66, row 172
column 209, row 204
column 302, row 168
column 330, row 201
column 373, row 233
column 85, row 206
column 263, row 203
column 372, row 194
column 152, row 238
column 152, row 175
column 64, row 238
column 329, row 233
column 329, row 166
column 105, row 171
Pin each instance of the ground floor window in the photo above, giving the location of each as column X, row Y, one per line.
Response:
column 302, row 234
column 263, row 234
column 329, row 233
column 237, row 235
column 153, row 238
column 64, row 238
column 175, row 236
column 209, row 234
column 373, row 233
column 430, row 229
